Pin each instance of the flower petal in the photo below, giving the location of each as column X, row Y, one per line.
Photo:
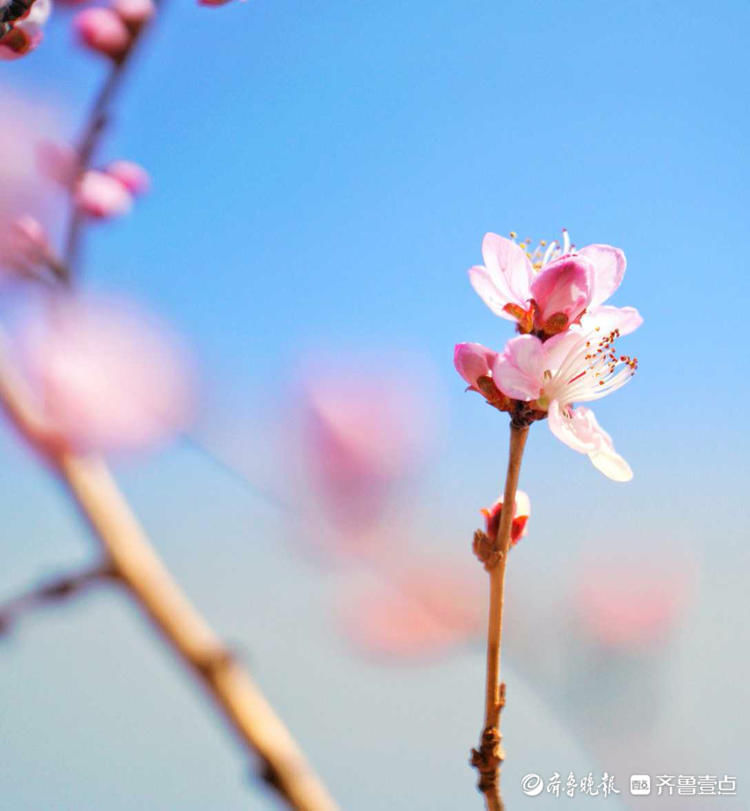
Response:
column 473, row 361
column 612, row 465
column 523, row 504
column 606, row 319
column 507, row 259
column 580, row 431
column 558, row 347
column 563, row 286
column 609, row 268
column 519, row 371
column 569, row 430
column 493, row 296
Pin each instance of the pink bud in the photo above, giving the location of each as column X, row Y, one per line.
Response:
column 105, row 375
column 562, row 291
column 103, row 31
column 102, row 196
column 213, row 2
column 135, row 179
column 134, row 13
column 520, row 518
column 473, row 361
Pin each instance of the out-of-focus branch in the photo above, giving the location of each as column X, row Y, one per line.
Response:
column 51, row 591
column 94, row 127
column 135, row 563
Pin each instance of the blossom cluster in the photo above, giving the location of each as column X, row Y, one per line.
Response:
column 565, row 350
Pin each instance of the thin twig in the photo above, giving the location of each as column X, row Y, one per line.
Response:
column 137, row 566
column 51, row 591
column 489, row 756
column 95, row 125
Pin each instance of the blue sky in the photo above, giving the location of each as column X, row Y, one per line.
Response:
column 323, row 175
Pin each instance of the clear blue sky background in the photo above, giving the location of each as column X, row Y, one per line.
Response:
column 323, row 175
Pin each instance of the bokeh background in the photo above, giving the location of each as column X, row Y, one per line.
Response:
column 323, row 174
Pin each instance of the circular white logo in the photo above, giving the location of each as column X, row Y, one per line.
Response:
column 532, row 785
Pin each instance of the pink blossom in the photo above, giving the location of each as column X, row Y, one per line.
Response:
column 134, row 13
column 568, row 368
column 627, row 607
column 57, row 161
column 420, row 611
column 102, row 196
column 27, row 244
column 561, row 292
column 362, row 430
column 105, row 376
column 134, row 177
column 520, row 518
column 26, row 33
column 472, row 362
column 554, row 286
column 103, row 30
column 213, row 2
column 23, row 190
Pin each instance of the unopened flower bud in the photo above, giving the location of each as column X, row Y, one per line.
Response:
column 103, row 30
column 102, row 196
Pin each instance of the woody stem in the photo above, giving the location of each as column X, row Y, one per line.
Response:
column 488, row 758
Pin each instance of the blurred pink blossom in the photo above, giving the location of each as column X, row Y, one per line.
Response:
column 102, row 196
column 27, row 244
column 26, row 33
column 420, row 611
column 134, row 13
column 362, row 431
column 627, row 607
column 105, row 375
column 57, row 161
column 134, row 177
column 24, row 191
column 103, row 30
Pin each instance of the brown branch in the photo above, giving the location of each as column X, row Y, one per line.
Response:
column 488, row 758
column 51, row 591
column 95, row 125
column 137, row 566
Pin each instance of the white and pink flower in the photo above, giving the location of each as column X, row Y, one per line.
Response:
column 571, row 367
column 553, row 287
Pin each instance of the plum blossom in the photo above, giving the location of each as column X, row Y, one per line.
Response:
column 420, row 610
column 26, row 33
column 104, row 375
column 571, row 367
column 26, row 245
column 520, row 518
column 360, row 434
column 553, row 287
